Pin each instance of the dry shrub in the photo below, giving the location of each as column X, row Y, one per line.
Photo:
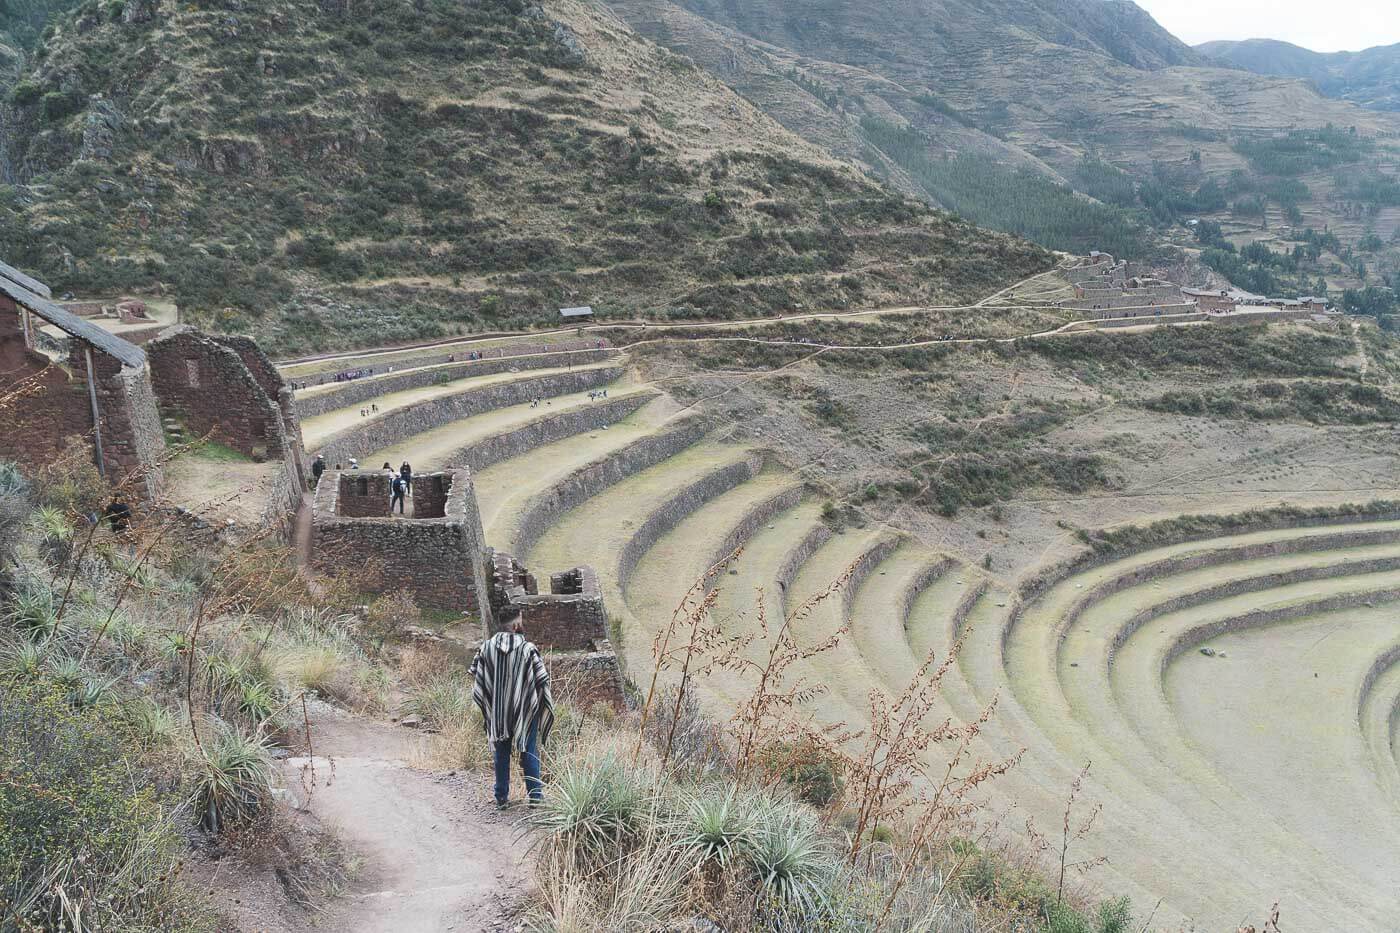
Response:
column 388, row 616
column 312, row 863
column 421, row 663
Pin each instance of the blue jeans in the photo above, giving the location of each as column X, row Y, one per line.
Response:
column 529, row 763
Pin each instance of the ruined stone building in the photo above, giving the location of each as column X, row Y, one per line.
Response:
column 90, row 388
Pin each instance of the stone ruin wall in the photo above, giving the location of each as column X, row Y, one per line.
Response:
column 543, row 431
column 39, row 426
column 366, row 389
column 439, row 559
column 1130, row 299
column 589, row 480
column 569, row 624
column 207, row 386
column 680, row 506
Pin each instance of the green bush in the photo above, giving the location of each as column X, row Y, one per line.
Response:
column 26, row 93
column 86, row 839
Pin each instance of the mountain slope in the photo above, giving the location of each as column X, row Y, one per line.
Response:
column 985, row 105
column 328, row 173
column 1370, row 78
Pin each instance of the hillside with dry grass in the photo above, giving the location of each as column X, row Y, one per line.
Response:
column 328, row 174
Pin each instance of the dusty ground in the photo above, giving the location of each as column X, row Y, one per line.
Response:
column 438, row 855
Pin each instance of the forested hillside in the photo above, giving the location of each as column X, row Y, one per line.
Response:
column 330, row 174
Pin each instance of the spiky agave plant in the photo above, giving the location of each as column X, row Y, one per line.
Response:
column 22, row 661
column 256, row 701
column 233, row 778
column 598, row 805
column 716, row 827
column 33, row 612
column 793, row 868
column 153, row 724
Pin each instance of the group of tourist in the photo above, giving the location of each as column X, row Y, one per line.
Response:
column 400, row 480
column 371, row 410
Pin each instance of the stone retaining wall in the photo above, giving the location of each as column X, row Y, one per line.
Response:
column 358, row 391
column 923, row 581
column 675, row 510
column 958, row 624
column 748, row 526
column 1259, row 618
column 1119, row 301
column 1036, row 586
column 800, row 553
column 507, row 445
column 438, row 560
column 589, row 480
column 861, row 570
column 392, row 427
column 1240, row 587
column 588, row 677
column 1185, row 563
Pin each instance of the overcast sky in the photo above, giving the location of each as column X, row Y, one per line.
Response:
column 1326, row 26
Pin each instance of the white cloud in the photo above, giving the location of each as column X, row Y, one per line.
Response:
column 1323, row 27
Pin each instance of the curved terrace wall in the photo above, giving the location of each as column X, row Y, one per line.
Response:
column 547, row 430
column 675, row 510
column 358, row 391
column 1260, row 618
column 591, row 479
column 1035, row 587
column 748, row 526
column 1239, row 587
column 800, row 553
column 392, row 427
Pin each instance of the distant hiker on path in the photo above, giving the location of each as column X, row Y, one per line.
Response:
column 399, row 487
column 318, row 466
column 511, row 688
column 406, row 472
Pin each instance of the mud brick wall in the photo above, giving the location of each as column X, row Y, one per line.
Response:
column 438, row 560
column 392, row 427
column 587, row 677
column 359, row 391
column 207, row 386
column 587, row 481
column 36, row 428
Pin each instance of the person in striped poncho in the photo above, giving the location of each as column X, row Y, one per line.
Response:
column 511, row 688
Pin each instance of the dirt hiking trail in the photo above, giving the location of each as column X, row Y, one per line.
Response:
column 439, row 856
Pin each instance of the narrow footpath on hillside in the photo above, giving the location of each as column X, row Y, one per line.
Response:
column 437, row 854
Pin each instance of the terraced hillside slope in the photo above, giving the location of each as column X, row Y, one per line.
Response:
column 963, row 486
column 955, row 99
column 332, row 174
